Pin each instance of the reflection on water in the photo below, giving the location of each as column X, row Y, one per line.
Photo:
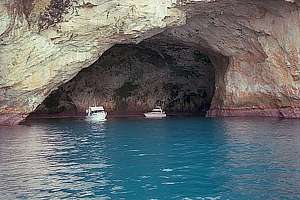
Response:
column 180, row 158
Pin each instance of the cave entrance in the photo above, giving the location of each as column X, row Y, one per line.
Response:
column 133, row 78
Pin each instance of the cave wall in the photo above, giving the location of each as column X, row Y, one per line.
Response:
column 43, row 45
column 255, row 48
column 135, row 78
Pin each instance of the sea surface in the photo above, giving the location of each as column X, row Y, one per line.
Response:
column 174, row 158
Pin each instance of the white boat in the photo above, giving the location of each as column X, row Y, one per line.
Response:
column 157, row 112
column 96, row 114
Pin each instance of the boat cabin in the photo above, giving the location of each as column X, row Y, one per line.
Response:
column 157, row 109
column 94, row 110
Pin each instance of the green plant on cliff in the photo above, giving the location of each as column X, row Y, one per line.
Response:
column 54, row 13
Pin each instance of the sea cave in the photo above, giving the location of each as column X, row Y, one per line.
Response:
column 226, row 74
column 243, row 53
column 130, row 79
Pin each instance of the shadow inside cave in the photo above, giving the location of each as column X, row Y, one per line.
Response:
column 133, row 78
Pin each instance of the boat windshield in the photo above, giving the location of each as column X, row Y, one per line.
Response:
column 96, row 111
column 156, row 110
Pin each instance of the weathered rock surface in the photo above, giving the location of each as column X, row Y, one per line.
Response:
column 135, row 78
column 45, row 43
column 253, row 44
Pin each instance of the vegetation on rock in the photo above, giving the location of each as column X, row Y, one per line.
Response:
column 54, row 13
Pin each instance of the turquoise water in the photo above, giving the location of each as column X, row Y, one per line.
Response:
column 176, row 158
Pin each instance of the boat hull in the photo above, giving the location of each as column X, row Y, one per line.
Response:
column 97, row 118
column 155, row 115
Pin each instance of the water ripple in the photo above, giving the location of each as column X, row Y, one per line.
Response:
column 186, row 158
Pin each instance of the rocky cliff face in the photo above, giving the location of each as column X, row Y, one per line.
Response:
column 253, row 45
column 260, row 40
column 135, row 78
column 44, row 43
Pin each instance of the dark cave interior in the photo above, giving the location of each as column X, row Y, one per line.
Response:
column 133, row 78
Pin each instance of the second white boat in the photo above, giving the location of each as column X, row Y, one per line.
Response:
column 157, row 112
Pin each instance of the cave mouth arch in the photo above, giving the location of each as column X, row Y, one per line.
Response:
column 133, row 78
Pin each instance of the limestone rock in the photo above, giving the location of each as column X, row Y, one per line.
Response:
column 253, row 44
column 45, row 43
